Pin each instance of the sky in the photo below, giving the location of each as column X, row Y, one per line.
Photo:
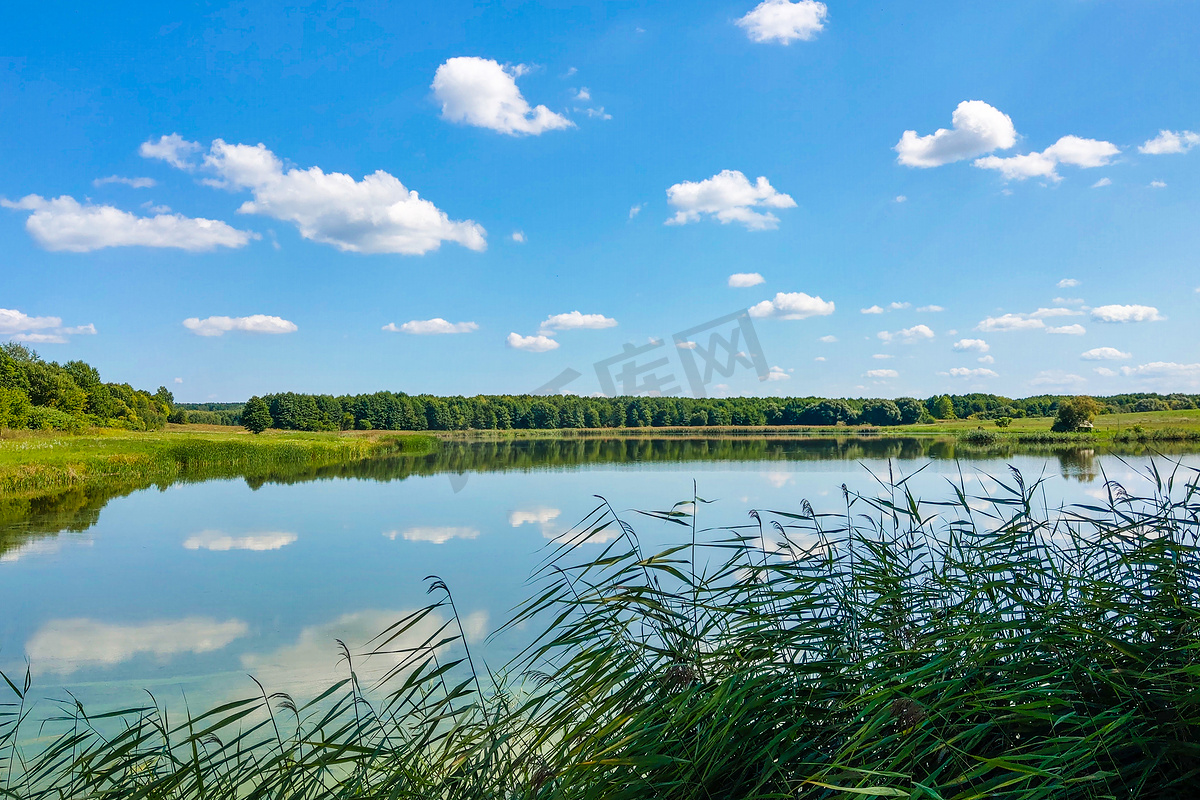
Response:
column 900, row 199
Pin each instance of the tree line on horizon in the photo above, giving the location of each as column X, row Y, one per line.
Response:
column 400, row 411
column 45, row 395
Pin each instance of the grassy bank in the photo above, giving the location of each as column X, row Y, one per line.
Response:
column 975, row 646
column 34, row 462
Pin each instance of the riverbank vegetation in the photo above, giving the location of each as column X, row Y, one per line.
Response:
column 399, row 411
column 44, row 395
column 977, row 646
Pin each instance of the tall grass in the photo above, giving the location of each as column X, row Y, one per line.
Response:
column 974, row 647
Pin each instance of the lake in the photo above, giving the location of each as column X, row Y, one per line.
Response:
column 186, row 589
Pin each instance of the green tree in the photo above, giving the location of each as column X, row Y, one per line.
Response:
column 943, row 408
column 256, row 417
column 880, row 412
column 1074, row 413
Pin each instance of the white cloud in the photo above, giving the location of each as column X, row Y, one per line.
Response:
column 79, row 330
column 1190, row 373
column 1067, row 283
column 894, row 306
column 1057, row 378
column 882, row 356
column 881, row 374
column 1069, row 301
column 729, row 197
column 64, row 224
column 1170, row 142
column 901, row 198
column 1104, row 354
column 966, row 372
column 976, row 345
column 931, row 309
column 828, row 339
column 871, row 310
column 534, row 516
column 481, row 92
column 1072, row 150
column 908, row 335
column 1158, row 184
column 221, row 542
column 1126, row 313
column 784, row 22
column 63, row 646
column 686, row 345
column 573, row 320
column 135, row 183
column 433, row 534
column 518, row 237
column 777, row 374
column 255, row 323
column 1010, row 322
column 533, row 344
column 595, row 113
column 13, row 321
column 582, row 95
column 40, row 338
column 792, row 305
column 978, row 128
column 1068, row 330
column 636, row 209
column 742, row 280
column 819, row 358
column 173, row 149
column 986, row 360
column 1102, row 183
column 374, row 215
column 179, row 380
column 427, row 327
column 21, row 327
column 1106, row 372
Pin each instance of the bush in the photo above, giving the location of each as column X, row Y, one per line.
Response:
column 14, row 408
column 1003, row 422
column 45, row 418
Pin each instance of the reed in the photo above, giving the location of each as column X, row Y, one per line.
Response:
column 978, row 646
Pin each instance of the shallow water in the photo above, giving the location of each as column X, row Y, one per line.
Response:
column 190, row 587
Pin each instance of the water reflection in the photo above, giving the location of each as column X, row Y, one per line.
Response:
column 23, row 520
column 218, row 541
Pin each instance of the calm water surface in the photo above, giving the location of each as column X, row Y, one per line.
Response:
column 189, row 588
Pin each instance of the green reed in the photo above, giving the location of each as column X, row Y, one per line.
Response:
column 980, row 646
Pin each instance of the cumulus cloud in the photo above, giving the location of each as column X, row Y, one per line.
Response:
column 1104, row 354
column 255, row 323
column 784, row 22
column 1030, row 321
column 792, row 305
column 173, row 149
column 636, row 209
column 728, row 197
column 222, row 542
column 429, row 327
column 881, row 374
column 533, row 344
column 573, row 320
column 911, row 335
column 1068, row 330
column 967, row 372
column 21, row 327
column 433, row 534
column 1170, row 142
column 1068, row 301
column 777, row 374
column 871, row 310
column 481, row 92
column 1100, row 184
column 1158, row 184
column 882, row 356
column 65, row 224
column 977, row 128
column 518, row 237
column 1057, row 379
column 1171, row 371
column 1126, row 313
column 1067, row 283
column 742, row 280
column 828, row 339
column 976, row 345
column 901, row 198
column 533, row 516
column 930, row 309
column 1071, row 150
column 63, row 646
column 986, row 360
column 377, row 214
column 135, row 183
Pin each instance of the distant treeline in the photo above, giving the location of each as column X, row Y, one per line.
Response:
column 399, row 411
column 35, row 393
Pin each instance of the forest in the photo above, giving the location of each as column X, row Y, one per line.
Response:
column 399, row 411
column 44, row 395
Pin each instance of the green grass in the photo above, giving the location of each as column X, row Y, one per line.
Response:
column 35, row 463
column 975, row 646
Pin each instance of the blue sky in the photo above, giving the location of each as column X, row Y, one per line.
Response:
column 271, row 242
